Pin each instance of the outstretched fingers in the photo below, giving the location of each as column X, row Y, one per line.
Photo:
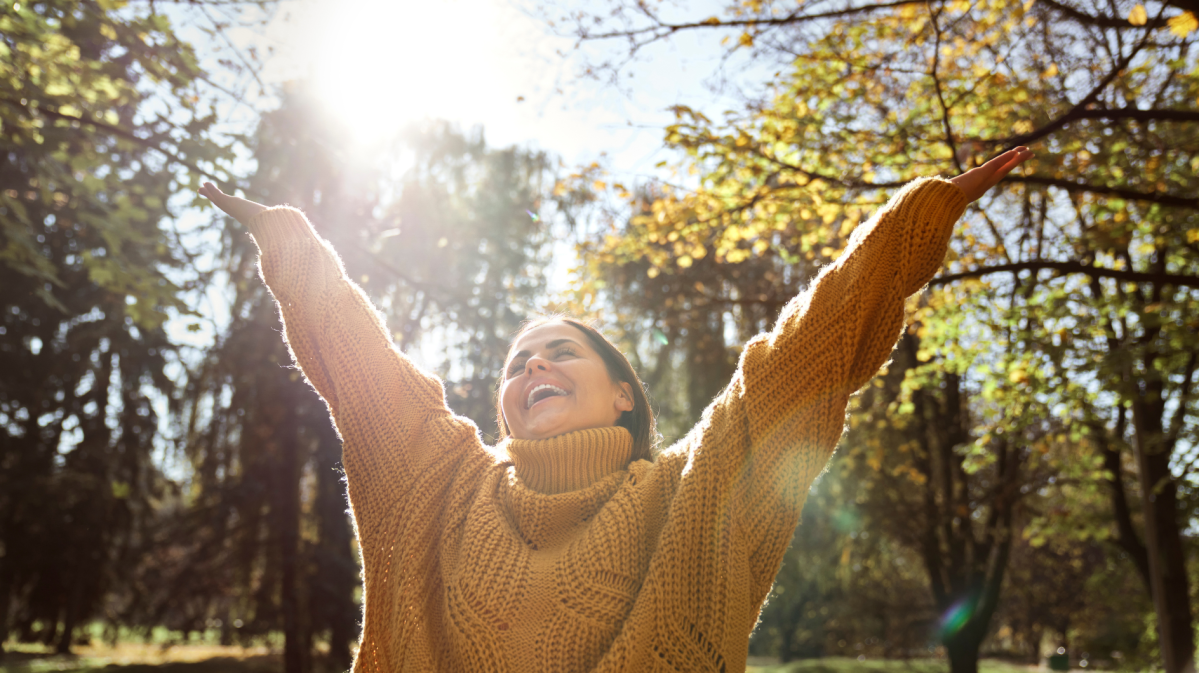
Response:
column 998, row 168
column 976, row 181
column 210, row 191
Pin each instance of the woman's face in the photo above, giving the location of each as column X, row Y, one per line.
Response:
column 555, row 383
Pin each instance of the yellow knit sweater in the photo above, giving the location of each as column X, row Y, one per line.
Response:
column 560, row 554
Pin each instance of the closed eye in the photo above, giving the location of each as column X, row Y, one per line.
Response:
column 516, row 367
column 559, row 353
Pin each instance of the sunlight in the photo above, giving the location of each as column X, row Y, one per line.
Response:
column 380, row 64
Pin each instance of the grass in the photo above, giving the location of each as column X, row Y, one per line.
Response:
column 850, row 665
column 137, row 657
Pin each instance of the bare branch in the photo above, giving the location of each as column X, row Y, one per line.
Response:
column 1139, row 115
column 1100, row 21
column 1121, row 192
column 660, row 28
column 119, row 132
column 953, row 148
column 1177, row 280
column 1086, row 100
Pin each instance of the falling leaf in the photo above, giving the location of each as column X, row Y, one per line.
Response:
column 1183, row 24
column 747, row 40
column 1137, row 16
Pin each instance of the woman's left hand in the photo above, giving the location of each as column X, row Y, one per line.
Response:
column 976, row 181
column 236, row 207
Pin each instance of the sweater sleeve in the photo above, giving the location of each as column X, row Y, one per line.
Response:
column 767, row 436
column 391, row 415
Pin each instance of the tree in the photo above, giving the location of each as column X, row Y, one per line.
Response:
column 447, row 257
column 88, row 268
column 869, row 96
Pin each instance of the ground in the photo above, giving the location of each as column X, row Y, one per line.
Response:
column 165, row 658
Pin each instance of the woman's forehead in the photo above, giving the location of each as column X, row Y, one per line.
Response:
column 541, row 336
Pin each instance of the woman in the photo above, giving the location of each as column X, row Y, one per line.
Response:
column 568, row 547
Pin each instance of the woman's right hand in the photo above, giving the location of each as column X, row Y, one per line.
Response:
column 234, row 206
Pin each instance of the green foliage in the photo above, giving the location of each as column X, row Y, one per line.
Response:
column 460, row 259
column 97, row 102
column 1064, row 316
column 436, row 227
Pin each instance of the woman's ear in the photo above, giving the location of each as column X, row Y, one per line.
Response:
column 624, row 397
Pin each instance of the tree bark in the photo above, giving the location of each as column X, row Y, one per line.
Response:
column 1163, row 538
column 337, row 570
column 70, row 615
column 1126, row 535
column 295, row 654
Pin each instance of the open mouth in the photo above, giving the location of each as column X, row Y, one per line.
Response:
column 543, row 392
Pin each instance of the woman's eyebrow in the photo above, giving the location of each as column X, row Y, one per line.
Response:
column 549, row 346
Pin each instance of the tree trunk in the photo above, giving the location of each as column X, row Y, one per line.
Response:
column 337, row 570
column 1126, row 536
column 70, row 615
column 963, row 653
column 295, row 655
column 1167, row 558
column 5, row 600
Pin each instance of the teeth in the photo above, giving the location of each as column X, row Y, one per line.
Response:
column 544, row 386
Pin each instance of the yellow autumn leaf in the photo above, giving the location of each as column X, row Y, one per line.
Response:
column 1137, row 16
column 712, row 21
column 747, row 40
column 1051, row 71
column 599, row 185
column 1183, row 24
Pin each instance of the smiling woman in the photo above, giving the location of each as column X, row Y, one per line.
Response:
column 568, row 547
column 563, row 375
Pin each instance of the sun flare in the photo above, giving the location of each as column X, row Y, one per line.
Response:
column 379, row 65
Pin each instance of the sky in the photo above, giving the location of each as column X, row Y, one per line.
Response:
column 380, row 64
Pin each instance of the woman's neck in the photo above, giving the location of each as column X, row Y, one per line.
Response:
column 571, row 461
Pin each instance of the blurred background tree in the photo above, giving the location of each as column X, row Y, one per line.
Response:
column 1056, row 345
column 1019, row 476
column 99, row 107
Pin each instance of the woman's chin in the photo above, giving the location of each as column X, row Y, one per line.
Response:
column 546, row 425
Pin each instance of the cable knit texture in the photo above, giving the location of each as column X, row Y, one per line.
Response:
column 560, row 554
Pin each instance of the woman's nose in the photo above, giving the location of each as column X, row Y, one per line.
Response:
column 537, row 366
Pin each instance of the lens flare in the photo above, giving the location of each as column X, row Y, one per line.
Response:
column 956, row 617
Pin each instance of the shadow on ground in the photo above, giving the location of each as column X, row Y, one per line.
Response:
column 21, row 662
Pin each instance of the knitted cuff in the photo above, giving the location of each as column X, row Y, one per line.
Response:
column 275, row 225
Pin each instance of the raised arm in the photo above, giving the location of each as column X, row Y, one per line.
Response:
column 764, row 440
column 392, row 417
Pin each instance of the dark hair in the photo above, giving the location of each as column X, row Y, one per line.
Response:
column 639, row 422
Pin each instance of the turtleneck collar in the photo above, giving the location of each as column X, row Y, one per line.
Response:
column 571, row 461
